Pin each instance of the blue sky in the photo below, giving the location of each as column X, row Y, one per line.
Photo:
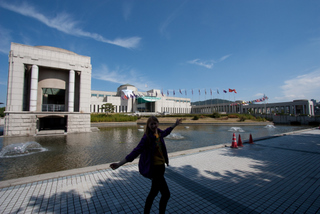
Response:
column 257, row 47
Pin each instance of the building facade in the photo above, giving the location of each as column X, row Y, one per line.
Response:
column 127, row 99
column 48, row 89
column 296, row 107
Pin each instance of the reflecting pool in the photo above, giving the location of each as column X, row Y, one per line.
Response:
column 111, row 144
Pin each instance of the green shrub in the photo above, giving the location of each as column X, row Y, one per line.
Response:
column 242, row 118
column 216, row 115
column 195, row 117
column 233, row 116
column 2, row 111
column 261, row 119
column 112, row 118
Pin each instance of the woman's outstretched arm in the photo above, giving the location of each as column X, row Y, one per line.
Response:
column 118, row 164
column 135, row 153
column 178, row 122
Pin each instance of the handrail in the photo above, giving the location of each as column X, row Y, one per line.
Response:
column 53, row 107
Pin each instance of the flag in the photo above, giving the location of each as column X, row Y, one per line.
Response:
column 180, row 91
column 185, row 91
column 205, row 91
column 174, row 93
column 134, row 95
column 199, row 91
column 210, row 91
column 167, row 93
column 156, row 93
column 224, row 91
column 232, row 90
column 162, row 92
column 217, row 91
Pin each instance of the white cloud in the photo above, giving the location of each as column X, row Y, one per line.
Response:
column 306, row 86
column 64, row 22
column 122, row 76
column 206, row 64
column 127, row 9
column 224, row 57
column 3, row 83
column 169, row 20
column 5, row 40
column 258, row 95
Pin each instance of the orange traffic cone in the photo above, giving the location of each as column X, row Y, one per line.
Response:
column 240, row 141
column 234, row 142
column 250, row 140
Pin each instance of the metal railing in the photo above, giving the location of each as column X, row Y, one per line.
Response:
column 53, row 107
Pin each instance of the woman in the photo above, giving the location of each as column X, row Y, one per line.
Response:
column 153, row 156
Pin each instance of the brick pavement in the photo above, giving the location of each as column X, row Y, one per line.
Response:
column 276, row 175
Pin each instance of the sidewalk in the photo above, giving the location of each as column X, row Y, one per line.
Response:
column 276, row 175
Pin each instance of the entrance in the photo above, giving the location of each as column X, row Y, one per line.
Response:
column 53, row 123
column 147, row 104
column 53, row 99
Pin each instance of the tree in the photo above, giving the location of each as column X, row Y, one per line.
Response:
column 108, row 108
column 2, row 111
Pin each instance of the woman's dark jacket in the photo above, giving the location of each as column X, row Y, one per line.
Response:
column 146, row 149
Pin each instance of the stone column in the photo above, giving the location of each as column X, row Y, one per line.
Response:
column 34, row 88
column 71, row 91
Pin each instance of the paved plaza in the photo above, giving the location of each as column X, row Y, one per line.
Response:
column 274, row 175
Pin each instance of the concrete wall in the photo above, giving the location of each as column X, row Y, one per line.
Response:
column 26, row 124
column 303, row 120
column 20, row 124
column 79, row 123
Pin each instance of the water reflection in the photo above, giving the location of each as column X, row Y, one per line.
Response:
column 236, row 129
column 112, row 144
column 176, row 136
column 21, row 149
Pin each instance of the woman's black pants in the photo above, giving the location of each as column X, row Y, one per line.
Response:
column 158, row 184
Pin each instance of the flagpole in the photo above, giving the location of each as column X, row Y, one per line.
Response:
column 199, row 96
column 217, row 108
column 179, row 109
column 211, row 101
column 205, row 99
column 192, row 98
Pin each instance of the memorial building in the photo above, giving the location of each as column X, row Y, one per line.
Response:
column 48, row 91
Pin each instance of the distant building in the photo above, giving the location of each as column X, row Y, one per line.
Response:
column 316, row 105
column 48, row 89
column 127, row 99
column 296, row 107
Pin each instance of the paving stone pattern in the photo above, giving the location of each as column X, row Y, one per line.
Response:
column 276, row 175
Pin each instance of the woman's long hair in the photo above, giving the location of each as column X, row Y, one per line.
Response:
column 148, row 130
column 150, row 120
